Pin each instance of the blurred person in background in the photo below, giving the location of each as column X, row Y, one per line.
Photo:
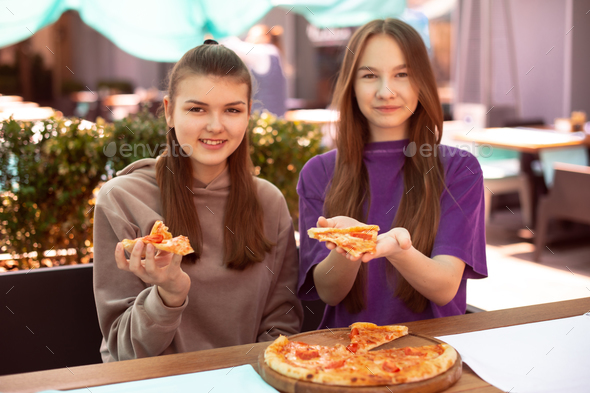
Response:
column 262, row 52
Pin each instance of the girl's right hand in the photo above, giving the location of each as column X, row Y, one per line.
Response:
column 162, row 269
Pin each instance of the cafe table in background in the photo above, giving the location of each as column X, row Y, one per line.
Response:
column 531, row 143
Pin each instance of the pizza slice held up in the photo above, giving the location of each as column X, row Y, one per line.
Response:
column 161, row 240
column 355, row 240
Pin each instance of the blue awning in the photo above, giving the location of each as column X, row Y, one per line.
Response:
column 163, row 31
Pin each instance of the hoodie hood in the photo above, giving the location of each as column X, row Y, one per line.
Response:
column 134, row 166
column 147, row 166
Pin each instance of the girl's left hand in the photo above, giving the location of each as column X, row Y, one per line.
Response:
column 389, row 244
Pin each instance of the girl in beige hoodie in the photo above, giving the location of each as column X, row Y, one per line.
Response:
column 239, row 285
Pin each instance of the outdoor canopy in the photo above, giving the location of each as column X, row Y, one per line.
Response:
column 163, row 31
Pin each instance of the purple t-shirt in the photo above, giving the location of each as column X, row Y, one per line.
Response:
column 461, row 232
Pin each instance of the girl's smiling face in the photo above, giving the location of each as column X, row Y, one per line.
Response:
column 383, row 90
column 210, row 114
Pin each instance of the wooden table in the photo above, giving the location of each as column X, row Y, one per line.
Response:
column 160, row 366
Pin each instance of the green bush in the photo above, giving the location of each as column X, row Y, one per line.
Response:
column 48, row 173
column 51, row 170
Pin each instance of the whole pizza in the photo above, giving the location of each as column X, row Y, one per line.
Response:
column 356, row 364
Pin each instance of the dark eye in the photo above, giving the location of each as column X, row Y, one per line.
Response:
column 234, row 110
column 195, row 109
column 402, row 74
column 369, row 76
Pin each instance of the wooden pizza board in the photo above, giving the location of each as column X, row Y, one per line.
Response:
column 340, row 336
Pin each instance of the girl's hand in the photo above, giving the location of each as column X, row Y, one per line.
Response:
column 339, row 222
column 389, row 244
column 161, row 269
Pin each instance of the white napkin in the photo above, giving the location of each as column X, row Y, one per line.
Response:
column 550, row 356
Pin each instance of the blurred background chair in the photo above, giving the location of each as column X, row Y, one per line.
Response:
column 571, row 155
column 503, row 175
column 49, row 319
column 569, row 194
column 313, row 312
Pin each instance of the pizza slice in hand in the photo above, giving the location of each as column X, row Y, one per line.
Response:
column 162, row 240
column 365, row 336
column 355, row 240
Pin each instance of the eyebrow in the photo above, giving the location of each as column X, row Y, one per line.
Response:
column 205, row 104
column 399, row 67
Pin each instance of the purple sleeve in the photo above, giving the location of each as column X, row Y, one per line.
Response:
column 311, row 189
column 461, row 232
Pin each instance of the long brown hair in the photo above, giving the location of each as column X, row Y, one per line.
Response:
column 245, row 243
column 349, row 195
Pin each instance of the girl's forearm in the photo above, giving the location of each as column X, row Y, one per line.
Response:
column 334, row 277
column 171, row 299
column 437, row 278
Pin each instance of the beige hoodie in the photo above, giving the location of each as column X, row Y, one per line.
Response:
column 224, row 307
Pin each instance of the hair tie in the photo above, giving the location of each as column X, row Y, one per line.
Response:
column 210, row 42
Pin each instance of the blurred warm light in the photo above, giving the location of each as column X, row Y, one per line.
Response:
column 10, row 98
column 445, row 94
column 122, row 99
column 312, row 115
column 4, row 105
column 84, row 96
column 28, row 113
column 517, row 248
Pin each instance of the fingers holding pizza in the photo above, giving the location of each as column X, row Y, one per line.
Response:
column 156, row 260
column 346, row 236
column 338, row 222
column 162, row 239
column 356, row 240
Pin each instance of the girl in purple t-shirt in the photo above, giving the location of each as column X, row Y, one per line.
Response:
column 389, row 170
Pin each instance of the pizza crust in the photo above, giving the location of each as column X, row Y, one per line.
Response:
column 438, row 359
column 359, row 228
column 274, row 358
